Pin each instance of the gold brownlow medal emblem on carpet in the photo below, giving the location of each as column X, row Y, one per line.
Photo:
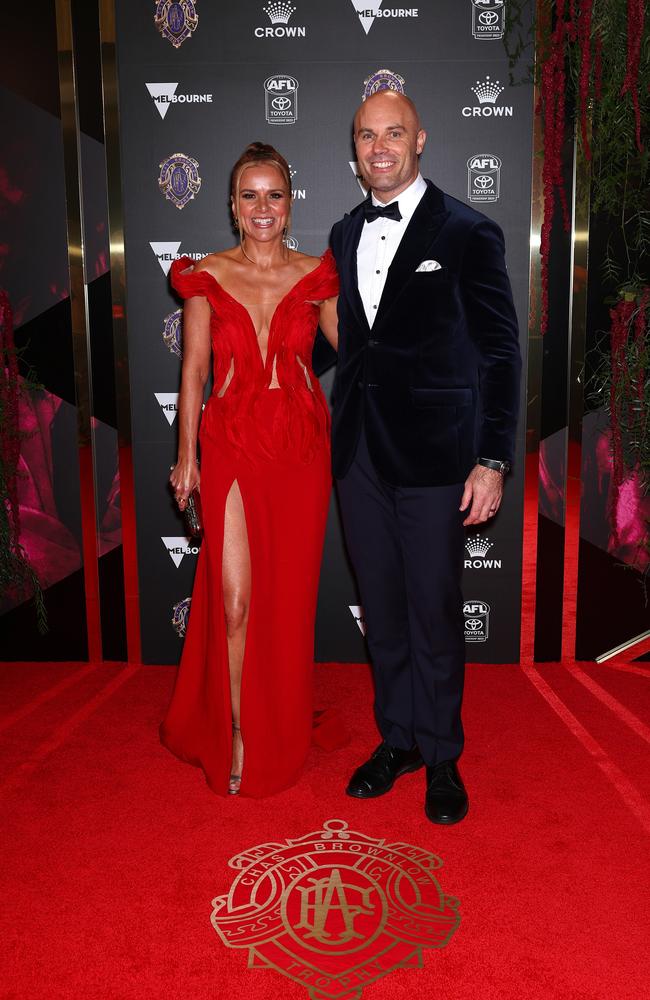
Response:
column 335, row 910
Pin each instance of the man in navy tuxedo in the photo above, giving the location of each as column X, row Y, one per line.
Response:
column 426, row 397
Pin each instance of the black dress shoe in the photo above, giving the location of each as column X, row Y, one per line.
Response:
column 446, row 799
column 377, row 776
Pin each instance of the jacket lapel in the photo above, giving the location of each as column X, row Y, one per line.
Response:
column 351, row 236
column 424, row 227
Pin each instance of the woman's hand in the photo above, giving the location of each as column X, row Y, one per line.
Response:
column 183, row 478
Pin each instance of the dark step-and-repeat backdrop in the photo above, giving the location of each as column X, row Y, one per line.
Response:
column 200, row 80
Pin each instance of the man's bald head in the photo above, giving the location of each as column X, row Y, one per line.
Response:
column 401, row 104
column 388, row 139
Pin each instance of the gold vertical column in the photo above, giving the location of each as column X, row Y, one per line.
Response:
column 533, row 394
column 80, row 326
column 577, row 341
column 120, row 341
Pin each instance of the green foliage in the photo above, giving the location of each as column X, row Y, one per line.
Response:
column 622, row 389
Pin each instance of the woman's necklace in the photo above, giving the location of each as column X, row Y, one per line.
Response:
column 287, row 252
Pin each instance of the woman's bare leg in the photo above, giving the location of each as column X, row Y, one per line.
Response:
column 236, row 597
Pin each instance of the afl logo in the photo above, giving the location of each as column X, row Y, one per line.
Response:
column 483, row 177
column 281, row 97
column 179, row 179
column 488, row 19
column 176, row 20
column 335, row 910
column 477, row 621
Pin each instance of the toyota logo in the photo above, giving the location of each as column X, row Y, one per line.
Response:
column 473, row 624
column 281, row 103
column 484, row 181
column 488, row 17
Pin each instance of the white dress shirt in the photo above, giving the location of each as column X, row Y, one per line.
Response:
column 378, row 245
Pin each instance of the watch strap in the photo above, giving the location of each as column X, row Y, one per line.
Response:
column 494, row 463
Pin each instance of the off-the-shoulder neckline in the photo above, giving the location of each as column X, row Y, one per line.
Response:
column 188, row 274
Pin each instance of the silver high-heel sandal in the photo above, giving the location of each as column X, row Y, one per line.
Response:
column 234, row 782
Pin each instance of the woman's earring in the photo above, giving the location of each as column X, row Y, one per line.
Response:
column 235, row 222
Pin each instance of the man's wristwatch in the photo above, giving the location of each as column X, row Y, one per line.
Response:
column 494, row 463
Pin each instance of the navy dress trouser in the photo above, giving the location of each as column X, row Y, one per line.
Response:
column 406, row 546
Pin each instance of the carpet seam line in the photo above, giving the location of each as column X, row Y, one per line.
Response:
column 44, row 697
column 65, row 730
column 616, row 707
column 627, row 791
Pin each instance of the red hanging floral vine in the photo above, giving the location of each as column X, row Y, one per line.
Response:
column 635, row 25
column 569, row 28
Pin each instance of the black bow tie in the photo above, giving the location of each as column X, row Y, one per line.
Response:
column 373, row 212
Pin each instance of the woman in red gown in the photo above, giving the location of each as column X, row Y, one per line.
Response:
column 242, row 704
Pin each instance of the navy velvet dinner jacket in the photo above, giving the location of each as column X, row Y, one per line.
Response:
column 435, row 382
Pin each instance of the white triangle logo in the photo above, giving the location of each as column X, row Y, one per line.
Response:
column 162, row 94
column 354, row 167
column 357, row 614
column 176, row 547
column 168, row 404
column 165, row 254
column 367, row 11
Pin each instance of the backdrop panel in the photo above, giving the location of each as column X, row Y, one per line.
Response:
column 206, row 97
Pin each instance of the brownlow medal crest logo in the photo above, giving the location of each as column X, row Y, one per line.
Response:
column 335, row 910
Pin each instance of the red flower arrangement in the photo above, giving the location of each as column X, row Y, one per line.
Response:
column 635, row 25
column 569, row 36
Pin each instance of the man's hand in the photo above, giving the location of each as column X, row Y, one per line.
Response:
column 484, row 491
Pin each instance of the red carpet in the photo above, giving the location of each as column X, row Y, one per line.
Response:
column 113, row 850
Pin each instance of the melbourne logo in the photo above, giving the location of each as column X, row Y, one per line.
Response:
column 477, row 549
column 171, row 333
column 166, row 253
column 354, row 167
column 280, row 13
column 488, row 19
column 164, row 95
column 178, row 547
column 359, row 617
column 176, row 21
column 180, row 615
column 483, row 177
column 368, row 10
column 281, row 96
column 335, row 910
column 487, row 94
column 477, row 621
column 179, row 179
column 168, row 403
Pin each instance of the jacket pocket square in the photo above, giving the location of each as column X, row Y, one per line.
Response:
column 428, row 265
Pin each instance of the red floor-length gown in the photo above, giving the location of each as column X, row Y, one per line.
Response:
column 275, row 444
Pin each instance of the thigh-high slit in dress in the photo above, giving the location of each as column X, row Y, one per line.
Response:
column 274, row 443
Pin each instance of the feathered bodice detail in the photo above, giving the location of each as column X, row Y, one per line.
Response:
column 238, row 363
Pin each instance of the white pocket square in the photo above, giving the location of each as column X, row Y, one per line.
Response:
column 428, row 265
